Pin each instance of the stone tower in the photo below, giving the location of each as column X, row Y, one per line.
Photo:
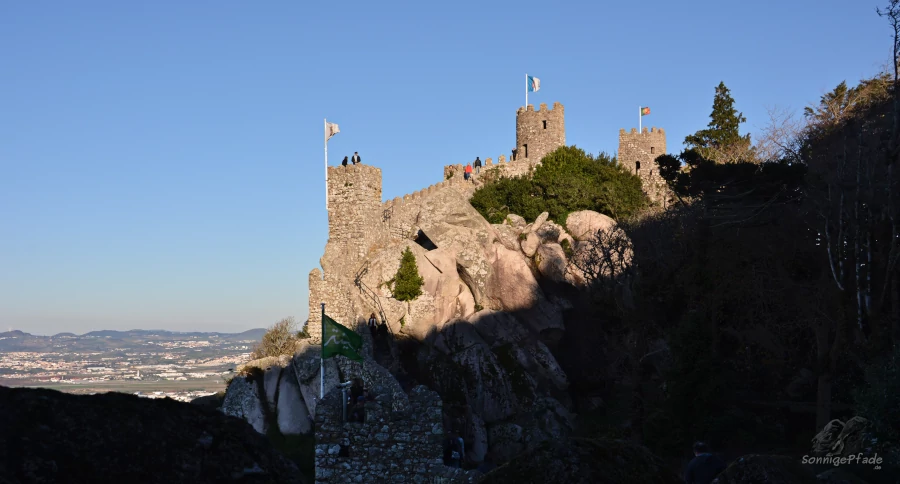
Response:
column 539, row 132
column 354, row 197
column 354, row 204
column 638, row 152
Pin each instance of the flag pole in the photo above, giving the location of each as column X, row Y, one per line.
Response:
column 322, row 358
column 526, row 91
column 326, row 165
column 640, row 119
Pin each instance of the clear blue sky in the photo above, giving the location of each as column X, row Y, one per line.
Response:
column 161, row 163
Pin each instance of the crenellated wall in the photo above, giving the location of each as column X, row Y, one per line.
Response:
column 638, row 152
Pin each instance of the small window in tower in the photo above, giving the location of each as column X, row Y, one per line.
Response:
column 637, row 165
column 545, row 124
column 526, row 150
column 652, row 150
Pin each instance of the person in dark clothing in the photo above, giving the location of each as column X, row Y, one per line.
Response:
column 513, row 157
column 356, row 159
column 704, row 467
column 477, row 165
column 373, row 323
column 344, row 162
column 356, row 390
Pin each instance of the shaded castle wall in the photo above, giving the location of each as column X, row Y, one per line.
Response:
column 638, row 153
column 390, row 446
column 539, row 132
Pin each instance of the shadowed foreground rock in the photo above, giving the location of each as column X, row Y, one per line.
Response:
column 771, row 469
column 49, row 436
column 585, row 461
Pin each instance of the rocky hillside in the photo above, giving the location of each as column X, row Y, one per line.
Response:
column 48, row 436
column 482, row 334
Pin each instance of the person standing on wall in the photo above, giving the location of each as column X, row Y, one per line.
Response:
column 344, row 162
column 356, row 159
column 477, row 165
column 468, row 172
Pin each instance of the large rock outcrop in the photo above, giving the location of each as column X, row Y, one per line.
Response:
column 49, row 436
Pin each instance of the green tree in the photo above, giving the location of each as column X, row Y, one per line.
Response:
column 567, row 180
column 721, row 141
column 408, row 283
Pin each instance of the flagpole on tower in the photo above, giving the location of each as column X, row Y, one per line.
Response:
column 640, row 119
column 526, row 91
column 322, row 358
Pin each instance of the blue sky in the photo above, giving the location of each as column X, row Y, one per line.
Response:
column 161, row 163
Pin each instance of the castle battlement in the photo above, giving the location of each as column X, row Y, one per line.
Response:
column 634, row 131
column 541, row 109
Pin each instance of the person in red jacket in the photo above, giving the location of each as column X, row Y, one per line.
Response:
column 468, row 172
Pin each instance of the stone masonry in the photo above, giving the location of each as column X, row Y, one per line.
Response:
column 390, row 446
column 539, row 132
column 638, row 152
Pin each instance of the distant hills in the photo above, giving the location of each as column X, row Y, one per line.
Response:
column 109, row 339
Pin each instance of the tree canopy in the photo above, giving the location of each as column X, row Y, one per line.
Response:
column 567, row 180
column 721, row 141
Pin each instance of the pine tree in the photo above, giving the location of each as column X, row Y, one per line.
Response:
column 721, row 141
column 408, row 283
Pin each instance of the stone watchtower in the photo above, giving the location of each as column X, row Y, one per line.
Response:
column 638, row 153
column 354, row 205
column 539, row 132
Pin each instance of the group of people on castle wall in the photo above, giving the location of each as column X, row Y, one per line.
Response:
column 356, row 160
column 467, row 172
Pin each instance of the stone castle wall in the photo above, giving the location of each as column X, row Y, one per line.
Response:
column 539, row 132
column 638, row 152
column 390, row 446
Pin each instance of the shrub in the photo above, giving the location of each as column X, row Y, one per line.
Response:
column 567, row 180
column 280, row 339
column 408, row 283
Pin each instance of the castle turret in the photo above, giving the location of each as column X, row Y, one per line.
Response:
column 638, row 152
column 539, row 132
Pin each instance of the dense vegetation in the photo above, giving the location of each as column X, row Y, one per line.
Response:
column 567, row 180
column 773, row 284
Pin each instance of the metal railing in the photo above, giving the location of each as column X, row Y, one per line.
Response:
column 376, row 301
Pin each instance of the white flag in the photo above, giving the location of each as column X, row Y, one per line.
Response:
column 331, row 129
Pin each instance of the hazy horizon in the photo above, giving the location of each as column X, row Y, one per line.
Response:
column 162, row 163
column 11, row 329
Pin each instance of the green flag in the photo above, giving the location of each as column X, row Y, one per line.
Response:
column 338, row 340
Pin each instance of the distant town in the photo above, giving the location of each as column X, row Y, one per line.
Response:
column 147, row 363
